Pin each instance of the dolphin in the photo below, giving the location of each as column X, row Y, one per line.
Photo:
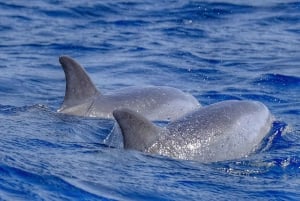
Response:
column 154, row 102
column 221, row 131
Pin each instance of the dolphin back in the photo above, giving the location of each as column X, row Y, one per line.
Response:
column 221, row 131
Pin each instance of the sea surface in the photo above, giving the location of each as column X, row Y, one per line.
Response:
column 215, row 50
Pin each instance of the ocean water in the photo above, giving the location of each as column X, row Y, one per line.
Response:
column 215, row 50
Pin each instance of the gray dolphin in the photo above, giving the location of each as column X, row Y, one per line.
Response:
column 222, row 131
column 156, row 103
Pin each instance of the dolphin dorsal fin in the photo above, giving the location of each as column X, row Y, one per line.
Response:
column 138, row 132
column 79, row 86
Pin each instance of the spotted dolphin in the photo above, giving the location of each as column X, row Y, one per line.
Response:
column 222, row 131
column 154, row 102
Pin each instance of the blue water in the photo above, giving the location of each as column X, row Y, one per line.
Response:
column 215, row 50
